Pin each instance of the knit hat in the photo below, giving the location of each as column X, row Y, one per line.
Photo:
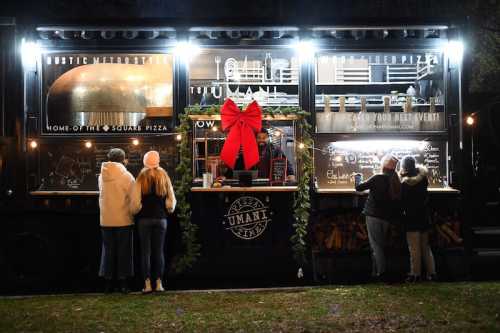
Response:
column 408, row 164
column 389, row 162
column 116, row 155
column 151, row 159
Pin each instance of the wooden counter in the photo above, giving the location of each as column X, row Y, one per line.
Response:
column 193, row 189
column 246, row 189
column 63, row 193
column 445, row 190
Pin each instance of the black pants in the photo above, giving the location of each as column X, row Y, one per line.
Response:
column 117, row 252
column 152, row 239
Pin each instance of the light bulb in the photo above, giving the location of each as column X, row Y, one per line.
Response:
column 186, row 50
column 305, row 49
column 470, row 120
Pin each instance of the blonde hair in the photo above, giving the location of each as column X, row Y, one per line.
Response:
column 153, row 177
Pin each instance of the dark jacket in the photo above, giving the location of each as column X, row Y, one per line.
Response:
column 153, row 207
column 415, row 201
column 264, row 165
column 379, row 203
column 267, row 153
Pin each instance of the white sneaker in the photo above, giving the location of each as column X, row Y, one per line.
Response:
column 159, row 286
column 147, row 287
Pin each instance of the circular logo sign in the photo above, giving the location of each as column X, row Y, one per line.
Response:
column 247, row 218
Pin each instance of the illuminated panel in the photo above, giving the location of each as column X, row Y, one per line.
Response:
column 107, row 93
column 336, row 163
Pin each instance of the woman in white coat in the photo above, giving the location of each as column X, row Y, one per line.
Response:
column 116, row 221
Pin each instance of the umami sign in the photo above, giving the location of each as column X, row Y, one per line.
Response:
column 247, row 218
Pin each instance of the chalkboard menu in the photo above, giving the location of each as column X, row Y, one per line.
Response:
column 72, row 167
column 336, row 163
column 278, row 171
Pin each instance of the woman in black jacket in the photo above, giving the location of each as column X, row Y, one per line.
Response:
column 381, row 208
column 416, row 218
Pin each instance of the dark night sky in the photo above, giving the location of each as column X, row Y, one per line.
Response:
column 278, row 12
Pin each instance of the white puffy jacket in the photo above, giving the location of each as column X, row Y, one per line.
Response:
column 115, row 184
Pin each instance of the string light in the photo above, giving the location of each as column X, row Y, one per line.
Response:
column 30, row 51
column 33, row 144
column 470, row 120
column 88, row 144
column 135, row 142
column 306, row 50
column 454, row 49
column 178, row 137
column 186, row 50
column 301, row 145
column 214, row 129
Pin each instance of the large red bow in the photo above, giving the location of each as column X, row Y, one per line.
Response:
column 241, row 125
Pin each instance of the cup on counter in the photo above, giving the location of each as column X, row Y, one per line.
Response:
column 207, row 180
column 358, row 178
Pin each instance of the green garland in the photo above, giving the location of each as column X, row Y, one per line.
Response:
column 301, row 204
column 183, row 188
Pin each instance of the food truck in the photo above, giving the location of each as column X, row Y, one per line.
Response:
column 333, row 101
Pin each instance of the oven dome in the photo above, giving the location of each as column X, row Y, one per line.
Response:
column 111, row 94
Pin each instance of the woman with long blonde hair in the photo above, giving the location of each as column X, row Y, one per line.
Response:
column 152, row 199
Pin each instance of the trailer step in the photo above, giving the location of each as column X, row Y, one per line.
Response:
column 487, row 252
column 486, row 230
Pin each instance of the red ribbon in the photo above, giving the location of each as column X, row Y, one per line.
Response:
column 241, row 126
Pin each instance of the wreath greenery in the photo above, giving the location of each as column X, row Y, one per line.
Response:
column 301, row 204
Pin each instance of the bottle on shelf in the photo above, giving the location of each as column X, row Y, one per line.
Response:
column 387, row 103
column 363, row 103
column 341, row 103
column 408, row 104
column 327, row 103
column 432, row 102
column 268, row 70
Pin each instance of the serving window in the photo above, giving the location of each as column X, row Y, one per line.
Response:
column 380, row 92
column 208, row 141
column 107, row 93
column 269, row 76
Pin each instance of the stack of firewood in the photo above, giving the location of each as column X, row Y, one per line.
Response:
column 340, row 233
column 447, row 230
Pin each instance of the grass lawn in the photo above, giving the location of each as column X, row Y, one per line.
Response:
column 431, row 307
